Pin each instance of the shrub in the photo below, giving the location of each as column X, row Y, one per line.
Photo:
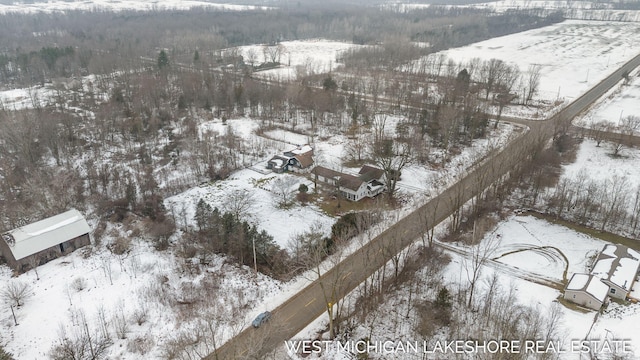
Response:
column 78, row 284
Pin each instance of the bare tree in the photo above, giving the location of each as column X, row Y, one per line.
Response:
column 505, row 87
column 273, row 53
column 252, row 57
column 597, row 131
column 16, row 292
column 239, row 203
column 81, row 344
column 284, row 188
column 532, row 82
column 389, row 154
column 613, row 199
column 490, row 74
column 356, row 147
column 480, row 252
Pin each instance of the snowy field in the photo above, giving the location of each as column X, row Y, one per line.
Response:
column 597, row 163
column 579, row 10
column 574, row 56
column 543, row 248
column 300, row 57
column 620, row 102
column 504, row 5
column 118, row 5
column 28, row 98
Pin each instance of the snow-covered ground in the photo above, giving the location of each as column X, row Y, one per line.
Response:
column 574, row 56
column 516, row 233
column 597, row 163
column 135, row 287
column 282, row 224
column 522, row 232
column 619, row 103
column 504, row 5
column 300, row 57
column 579, row 10
column 541, row 247
column 28, row 98
column 118, row 5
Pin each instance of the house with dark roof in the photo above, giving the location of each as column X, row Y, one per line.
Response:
column 42, row 241
column 613, row 274
column 326, row 175
column 352, row 187
column 298, row 160
column 368, row 182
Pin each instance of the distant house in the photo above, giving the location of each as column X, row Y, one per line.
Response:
column 368, row 183
column 613, row 274
column 37, row 243
column 298, row 160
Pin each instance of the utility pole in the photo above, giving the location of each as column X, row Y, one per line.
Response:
column 255, row 263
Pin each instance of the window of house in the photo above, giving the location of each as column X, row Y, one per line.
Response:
column 613, row 291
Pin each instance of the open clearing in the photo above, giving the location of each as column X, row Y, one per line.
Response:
column 574, row 55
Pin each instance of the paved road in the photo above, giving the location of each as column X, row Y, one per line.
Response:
column 304, row 307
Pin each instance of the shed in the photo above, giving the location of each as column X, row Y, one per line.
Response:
column 40, row 242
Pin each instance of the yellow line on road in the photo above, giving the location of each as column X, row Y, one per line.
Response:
column 310, row 302
column 290, row 316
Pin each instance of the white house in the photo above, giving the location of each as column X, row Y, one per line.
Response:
column 613, row 274
column 368, row 183
column 586, row 290
column 617, row 266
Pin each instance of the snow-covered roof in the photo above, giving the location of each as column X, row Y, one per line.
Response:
column 41, row 235
column 597, row 288
column 278, row 161
column 589, row 284
column 300, row 150
column 578, row 281
column 617, row 264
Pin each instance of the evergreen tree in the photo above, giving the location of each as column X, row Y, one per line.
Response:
column 203, row 215
column 5, row 355
column 196, row 56
column 163, row 60
column 329, row 84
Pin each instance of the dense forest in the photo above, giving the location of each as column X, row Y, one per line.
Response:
column 39, row 47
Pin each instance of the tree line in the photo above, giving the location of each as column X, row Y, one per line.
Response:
column 103, row 42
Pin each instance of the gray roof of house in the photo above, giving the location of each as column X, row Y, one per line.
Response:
column 368, row 173
column 326, row 172
column 41, row 235
column 350, row 182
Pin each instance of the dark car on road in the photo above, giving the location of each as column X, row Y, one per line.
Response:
column 261, row 319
